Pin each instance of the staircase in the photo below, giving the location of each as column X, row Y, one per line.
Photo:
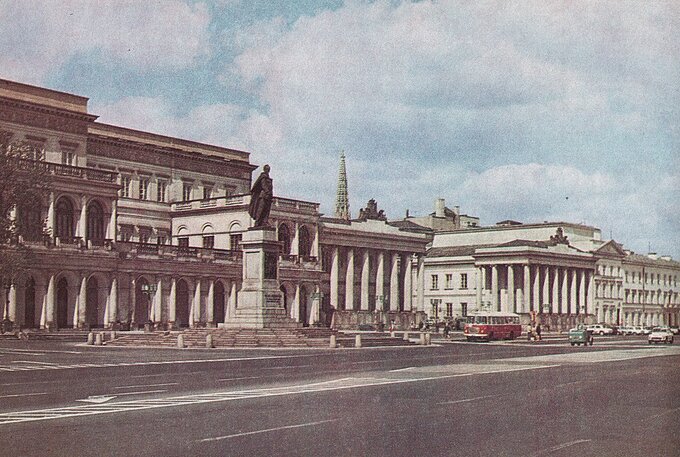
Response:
column 65, row 335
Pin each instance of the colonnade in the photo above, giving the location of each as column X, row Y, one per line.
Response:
column 523, row 288
column 368, row 280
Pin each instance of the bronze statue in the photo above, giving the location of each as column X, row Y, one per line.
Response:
column 261, row 196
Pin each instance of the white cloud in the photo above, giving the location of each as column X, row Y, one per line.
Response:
column 39, row 36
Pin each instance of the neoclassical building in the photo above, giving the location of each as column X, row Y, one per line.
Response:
column 145, row 229
column 562, row 272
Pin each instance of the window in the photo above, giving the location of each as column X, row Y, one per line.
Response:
column 208, row 242
column 67, row 157
column 143, row 188
column 435, row 282
column 235, row 242
column 160, row 191
column 449, row 310
column 144, row 236
column 448, row 281
column 463, row 309
column 183, row 242
column 207, row 192
column 463, row 281
column 162, row 240
column 186, row 192
column 125, row 186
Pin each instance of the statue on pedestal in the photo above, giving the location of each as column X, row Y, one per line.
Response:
column 261, row 196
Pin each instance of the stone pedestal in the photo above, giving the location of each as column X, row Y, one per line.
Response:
column 259, row 303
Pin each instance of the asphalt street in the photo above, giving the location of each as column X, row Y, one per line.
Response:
column 619, row 397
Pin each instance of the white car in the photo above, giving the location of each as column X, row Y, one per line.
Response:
column 630, row 330
column 660, row 335
column 599, row 329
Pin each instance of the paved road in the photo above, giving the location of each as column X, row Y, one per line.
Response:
column 619, row 397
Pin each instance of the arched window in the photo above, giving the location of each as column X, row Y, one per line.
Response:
column 65, row 226
column 284, row 239
column 304, row 243
column 95, row 223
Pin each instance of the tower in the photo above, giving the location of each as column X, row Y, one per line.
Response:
column 342, row 199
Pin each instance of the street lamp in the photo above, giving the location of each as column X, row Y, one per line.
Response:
column 148, row 290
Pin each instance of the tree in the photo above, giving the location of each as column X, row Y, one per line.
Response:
column 24, row 183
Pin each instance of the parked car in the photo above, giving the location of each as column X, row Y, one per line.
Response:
column 642, row 330
column 675, row 330
column 600, row 329
column 630, row 330
column 660, row 335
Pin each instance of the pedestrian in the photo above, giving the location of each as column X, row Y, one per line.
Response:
column 530, row 331
column 447, row 329
column 538, row 331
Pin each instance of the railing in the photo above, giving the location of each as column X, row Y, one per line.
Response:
column 90, row 174
column 229, row 200
column 177, row 251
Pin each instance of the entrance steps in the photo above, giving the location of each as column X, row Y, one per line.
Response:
column 65, row 335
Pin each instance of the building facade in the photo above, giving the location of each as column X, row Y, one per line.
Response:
column 144, row 229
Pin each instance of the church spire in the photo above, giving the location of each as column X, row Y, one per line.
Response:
column 342, row 199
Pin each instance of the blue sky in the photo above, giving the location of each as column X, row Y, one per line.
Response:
column 532, row 110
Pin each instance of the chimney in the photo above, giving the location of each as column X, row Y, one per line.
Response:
column 456, row 210
column 439, row 206
column 667, row 258
column 653, row 256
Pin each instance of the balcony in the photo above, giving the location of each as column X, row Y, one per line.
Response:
column 133, row 249
column 89, row 174
column 283, row 204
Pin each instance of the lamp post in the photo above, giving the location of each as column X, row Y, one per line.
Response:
column 148, row 290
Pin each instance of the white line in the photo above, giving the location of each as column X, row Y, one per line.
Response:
column 670, row 411
column 401, row 369
column 23, row 395
column 452, row 402
column 237, row 379
column 267, row 430
column 147, row 385
column 560, row 446
column 33, row 361
column 138, row 393
column 291, row 367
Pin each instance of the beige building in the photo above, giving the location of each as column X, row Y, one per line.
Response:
column 145, row 229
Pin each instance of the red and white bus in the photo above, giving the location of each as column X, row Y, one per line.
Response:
column 492, row 325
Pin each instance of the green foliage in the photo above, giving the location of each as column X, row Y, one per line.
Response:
column 24, row 183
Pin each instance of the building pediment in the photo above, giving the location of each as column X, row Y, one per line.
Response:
column 610, row 248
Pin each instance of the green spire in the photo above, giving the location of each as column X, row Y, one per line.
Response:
column 342, row 199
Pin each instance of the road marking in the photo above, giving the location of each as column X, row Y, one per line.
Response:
column 140, row 393
column 560, row 446
column 453, row 402
column 291, row 367
column 397, row 370
column 237, row 379
column 148, row 385
column 267, row 430
column 32, row 351
column 23, row 395
column 665, row 413
column 97, row 398
column 615, row 355
column 196, row 399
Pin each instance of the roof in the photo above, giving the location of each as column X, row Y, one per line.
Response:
column 410, row 226
column 455, row 251
column 655, row 262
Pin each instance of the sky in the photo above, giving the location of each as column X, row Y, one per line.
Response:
column 534, row 111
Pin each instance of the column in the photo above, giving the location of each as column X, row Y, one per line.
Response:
column 81, row 230
column 545, row 298
column 335, row 297
column 408, row 284
column 421, row 284
column 48, row 316
column 537, row 289
column 195, row 312
column 380, row 282
column 572, row 295
column 172, row 303
column 510, row 306
column 51, row 217
column 112, row 229
column 112, row 309
column 479, row 283
column 555, row 304
column 581, row 292
column 494, row 287
column 394, row 283
column 590, row 292
column 526, row 290
column 232, row 300
column 564, row 303
column 158, row 302
column 295, row 243
column 133, row 302
column 295, row 309
column 365, row 277
column 349, row 281
column 12, row 303
column 80, row 313
column 210, row 306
